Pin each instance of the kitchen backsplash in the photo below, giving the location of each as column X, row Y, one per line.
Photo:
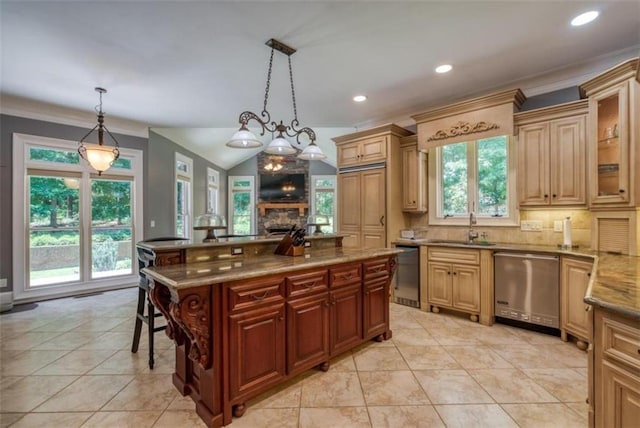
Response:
column 580, row 229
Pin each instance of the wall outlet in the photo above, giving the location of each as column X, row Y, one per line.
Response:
column 3, row 282
column 307, row 244
column 152, row 223
column 236, row 251
column 531, row 225
column 557, row 226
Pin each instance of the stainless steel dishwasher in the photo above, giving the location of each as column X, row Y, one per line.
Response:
column 527, row 288
column 407, row 280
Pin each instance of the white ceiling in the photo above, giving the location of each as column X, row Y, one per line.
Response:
column 198, row 64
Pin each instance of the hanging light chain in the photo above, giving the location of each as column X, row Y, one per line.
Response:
column 293, row 93
column 266, row 89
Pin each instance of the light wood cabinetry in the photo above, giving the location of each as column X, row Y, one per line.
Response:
column 369, row 179
column 616, row 371
column 613, row 135
column 552, row 155
column 414, row 173
column 575, row 315
column 453, row 280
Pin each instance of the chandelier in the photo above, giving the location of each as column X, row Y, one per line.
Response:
column 245, row 139
column 275, row 164
column 99, row 156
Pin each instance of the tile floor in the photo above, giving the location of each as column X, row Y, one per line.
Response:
column 67, row 363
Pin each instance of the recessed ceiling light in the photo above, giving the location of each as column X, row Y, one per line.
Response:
column 444, row 68
column 584, row 18
column 360, row 98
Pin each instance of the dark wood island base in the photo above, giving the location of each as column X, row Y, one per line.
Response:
column 239, row 334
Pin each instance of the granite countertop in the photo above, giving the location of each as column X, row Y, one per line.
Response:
column 238, row 240
column 192, row 275
column 615, row 278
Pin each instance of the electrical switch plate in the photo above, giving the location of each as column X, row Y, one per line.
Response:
column 531, row 225
column 152, row 223
column 557, row 226
column 307, row 244
column 236, row 251
column 3, row 282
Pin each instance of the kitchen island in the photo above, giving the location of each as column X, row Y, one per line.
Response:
column 244, row 325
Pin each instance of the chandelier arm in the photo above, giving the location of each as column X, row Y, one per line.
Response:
column 246, row 116
column 112, row 137
column 88, row 133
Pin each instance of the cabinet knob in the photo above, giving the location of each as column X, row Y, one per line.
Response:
column 281, row 319
column 455, row 273
column 546, row 196
column 621, row 190
column 588, row 273
column 448, row 273
column 553, row 196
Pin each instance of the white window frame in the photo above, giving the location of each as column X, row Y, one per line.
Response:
column 252, row 200
column 22, row 144
column 213, row 191
column 436, row 214
column 333, row 188
column 186, row 177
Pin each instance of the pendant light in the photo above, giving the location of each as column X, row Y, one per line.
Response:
column 99, row 156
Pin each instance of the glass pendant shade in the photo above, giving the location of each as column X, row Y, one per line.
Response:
column 312, row 152
column 100, row 157
column 244, row 139
column 280, row 146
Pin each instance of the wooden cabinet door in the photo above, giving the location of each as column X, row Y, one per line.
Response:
column 349, row 213
column 256, row 349
column 465, row 288
column 439, row 284
column 348, row 154
column 373, row 238
column 376, row 303
column 307, row 332
column 575, row 275
column 346, row 317
column 373, row 198
column 533, row 163
column 567, row 161
column 621, row 405
column 373, row 150
column 410, row 178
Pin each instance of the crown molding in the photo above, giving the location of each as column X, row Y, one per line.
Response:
column 558, row 111
column 617, row 74
column 30, row 109
column 389, row 128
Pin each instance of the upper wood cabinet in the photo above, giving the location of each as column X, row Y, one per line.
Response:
column 414, row 173
column 613, row 135
column 552, row 155
column 365, row 151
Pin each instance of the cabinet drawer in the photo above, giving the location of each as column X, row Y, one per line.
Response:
column 376, row 268
column 246, row 294
column 621, row 342
column 454, row 255
column 345, row 275
column 307, row 283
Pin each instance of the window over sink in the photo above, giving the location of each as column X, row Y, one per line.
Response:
column 475, row 176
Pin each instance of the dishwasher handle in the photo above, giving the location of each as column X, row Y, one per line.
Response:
column 526, row 256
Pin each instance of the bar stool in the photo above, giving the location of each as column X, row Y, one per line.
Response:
column 145, row 259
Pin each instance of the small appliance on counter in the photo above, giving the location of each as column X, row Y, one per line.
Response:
column 407, row 234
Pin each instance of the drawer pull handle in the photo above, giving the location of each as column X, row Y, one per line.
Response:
column 347, row 276
column 259, row 298
column 309, row 285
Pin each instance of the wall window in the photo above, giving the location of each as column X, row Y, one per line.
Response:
column 184, row 195
column 323, row 199
column 476, row 176
column 79, row 228
column 213, row 191
column 242, row 196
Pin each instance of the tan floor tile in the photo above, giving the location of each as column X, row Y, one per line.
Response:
column 543, row 415
column 52, row 420
column 75, row 363
column 88, row 393
column 428, row 357
column 424, row 416
column 182, row 403
column 144, row 392
column 6, row 381
column 63, row 324
column 565, row 384
column 496, row 335
column 122, row 419
column 332, row 389
column 6, row 419
column 451, row 387
column 527, row 356
column 267, row 418
column 402, row 320
column 343, row 363
column 282, row 396
column 27, row 362
column 343, row 417
column 379, row 358
column 27, row 393
column 413, row 337
column 431, row 320
column 536, row 338
column 477, row 357
column 567, row 353
column 110, row 340
column 511, row 386
column 129, row 323
column 582, row 410
column 67, row 340
column 24, row 341
column 475, row 415
column 100, row 324
column 386, row 388
column 125, row 362
column 179, row 418
column 454, row 336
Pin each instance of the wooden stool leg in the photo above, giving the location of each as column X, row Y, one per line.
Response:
column 151, row 316
column 139, row 315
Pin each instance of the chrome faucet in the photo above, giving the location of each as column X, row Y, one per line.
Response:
column 472, row 233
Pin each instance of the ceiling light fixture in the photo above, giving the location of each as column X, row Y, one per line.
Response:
column 444, row 68
column 99, row 156
column 584, row 18
column 244, row 139
column 360, row 98
column 275, row 164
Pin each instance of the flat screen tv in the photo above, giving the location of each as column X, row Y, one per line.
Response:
column 282, row 187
